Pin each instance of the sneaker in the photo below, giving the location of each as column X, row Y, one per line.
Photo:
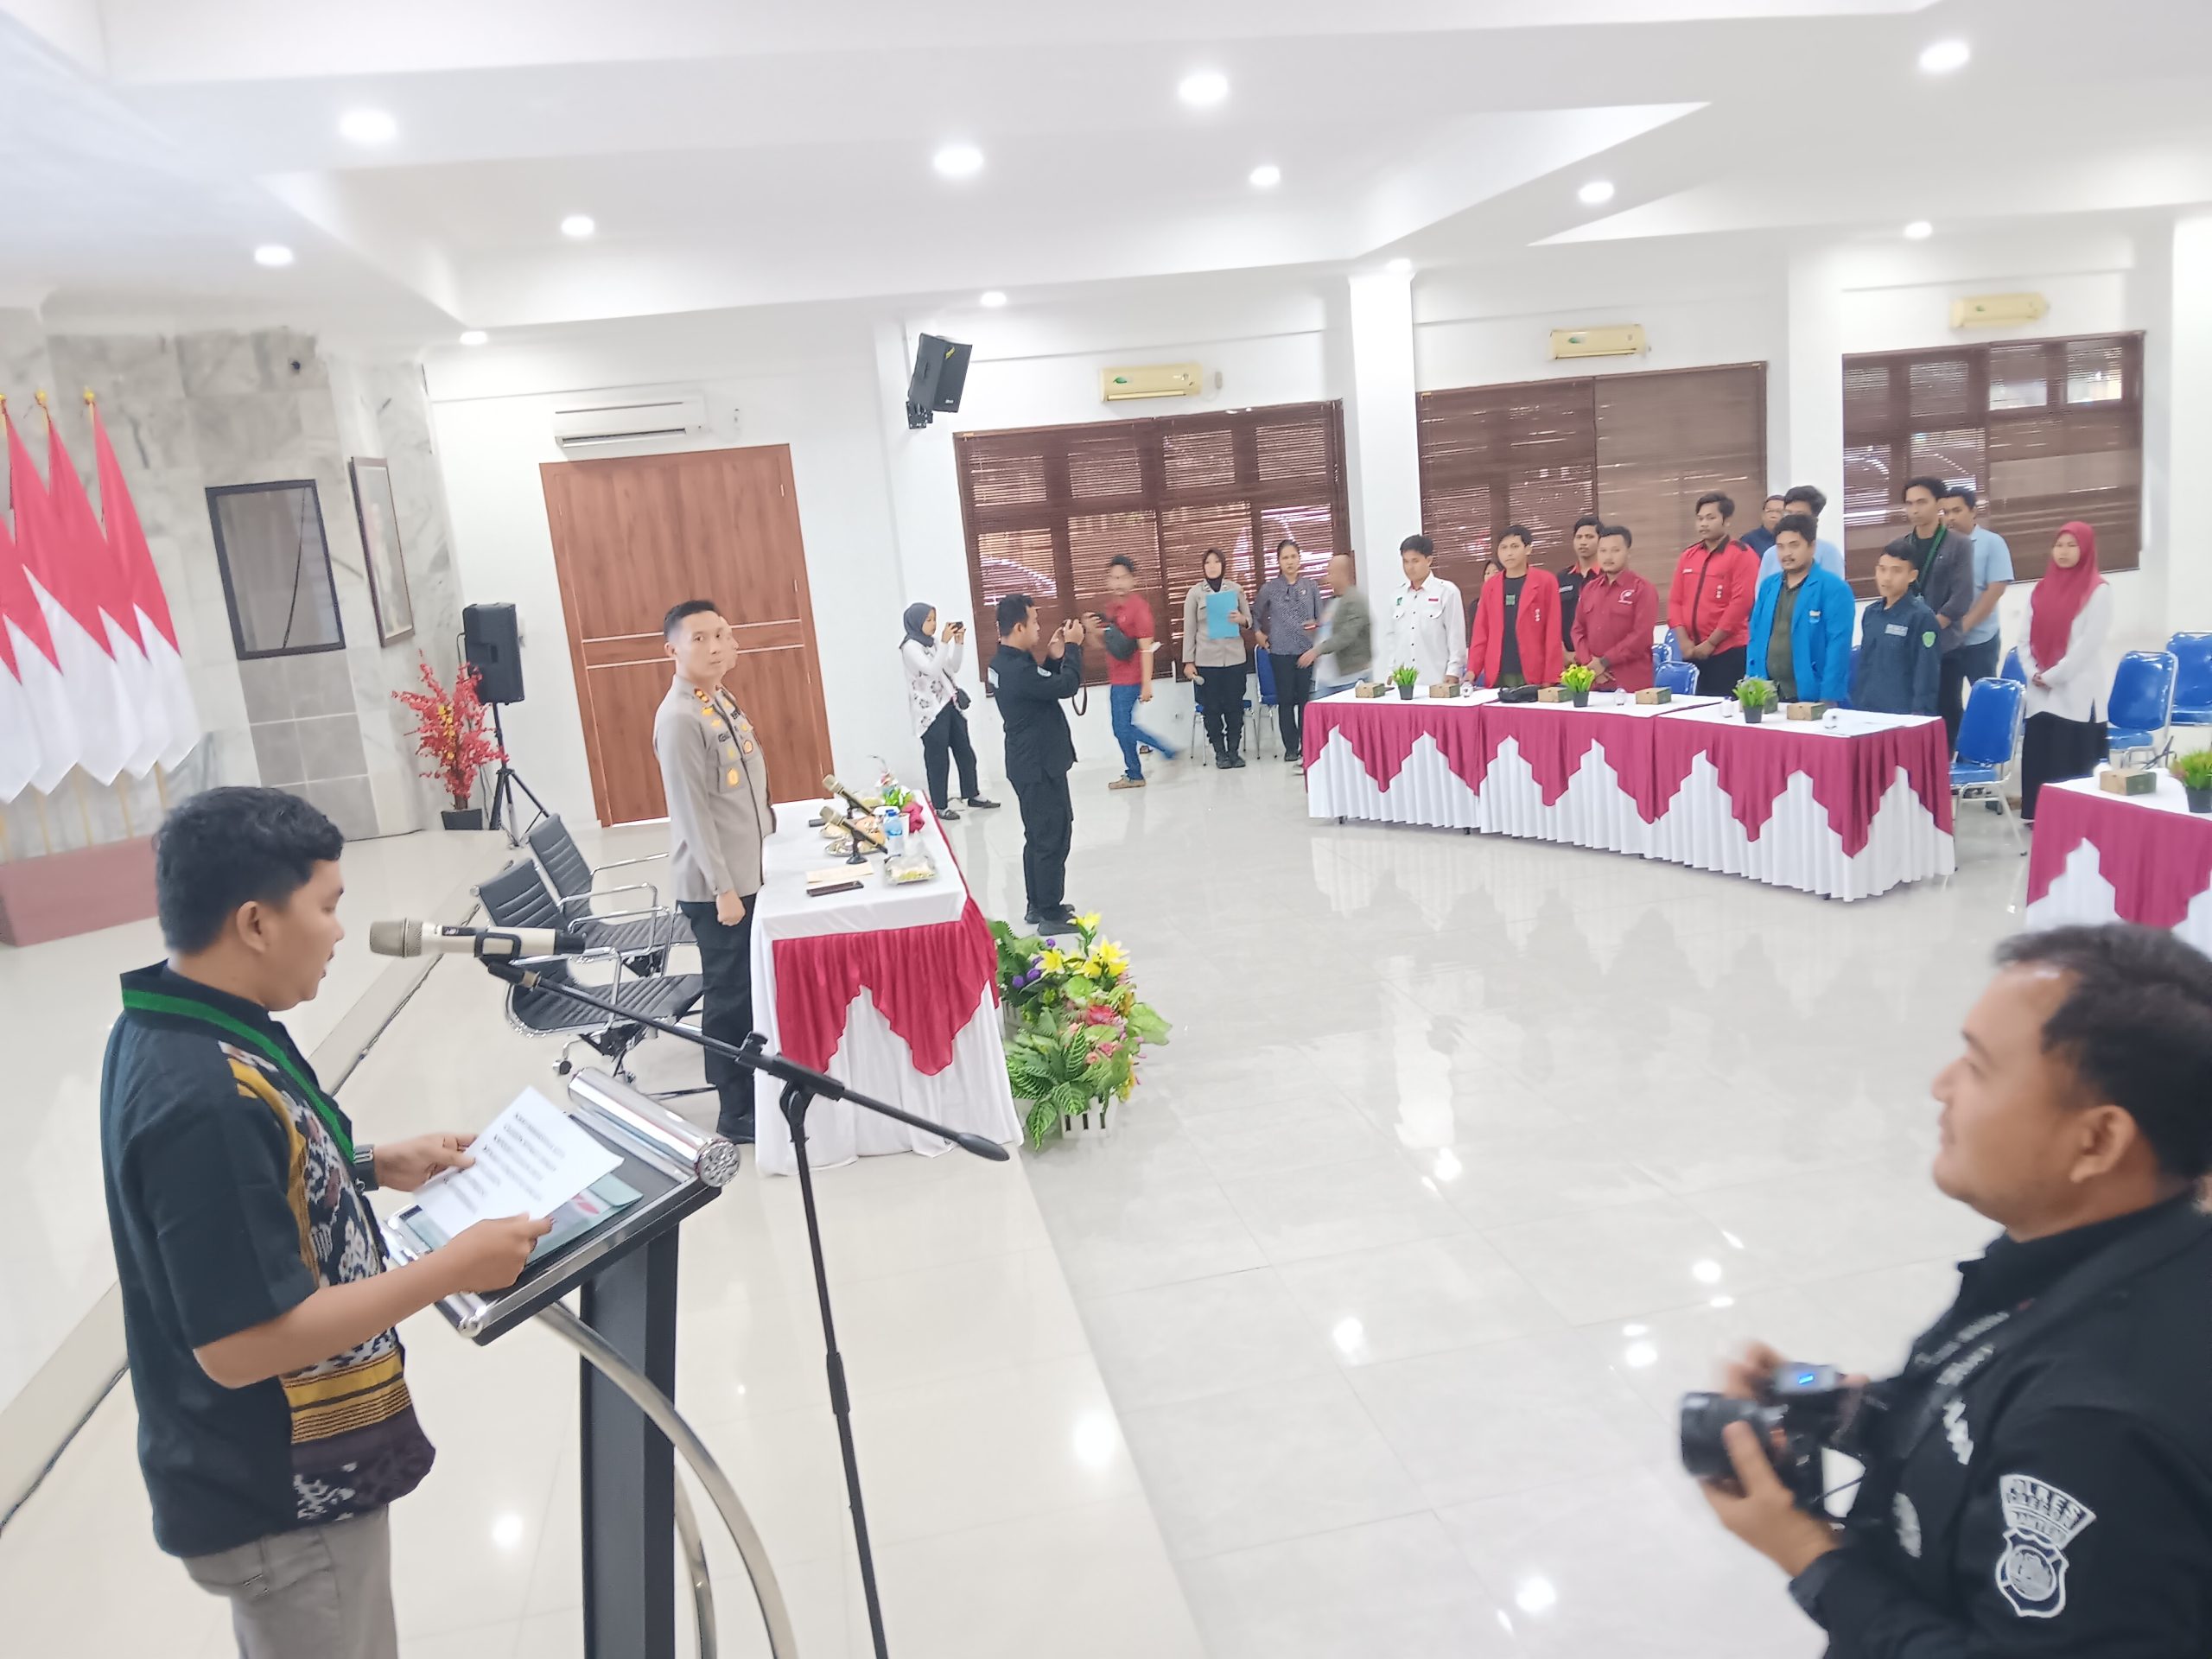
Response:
column 946, row 815
column 1127, row 783
column 1236, row 760
column 1293, row 759
column 978, row 803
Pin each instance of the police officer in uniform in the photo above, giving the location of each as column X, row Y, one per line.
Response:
column 2038, row 1478
column 716, row 781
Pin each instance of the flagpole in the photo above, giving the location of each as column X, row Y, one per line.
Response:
column 77, row 782
column 45, row 829
column 162, row 788
column 123, row 805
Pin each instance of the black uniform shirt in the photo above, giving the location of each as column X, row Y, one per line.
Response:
column 2063, row 1503
column 1037, row 743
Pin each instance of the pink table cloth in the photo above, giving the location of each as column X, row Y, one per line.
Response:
column 2101, row 857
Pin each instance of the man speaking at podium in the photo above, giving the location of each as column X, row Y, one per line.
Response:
column 274, row 1421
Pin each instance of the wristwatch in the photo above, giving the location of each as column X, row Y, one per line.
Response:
column 364, row 1168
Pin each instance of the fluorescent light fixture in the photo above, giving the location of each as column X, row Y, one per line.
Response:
column 473, row 336
column 1943, row 57
column 579, row 225
column 368, row 127
column 1595, row 193
column 958, row 161
column 1399, row 266
column 273, row 255
column 1919, row 231
column 1203, row 90
column 1266, row 175
column 992, row 298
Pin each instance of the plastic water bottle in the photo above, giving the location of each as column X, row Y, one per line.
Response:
column 893, row 820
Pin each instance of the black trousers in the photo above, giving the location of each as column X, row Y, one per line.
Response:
column 1221, row 700
column 2054, row 749
column 945, row 742
column 726, row 1007
column 1718, row 674
column 1958, row 670
column 1294, row 687
column 1047, row 827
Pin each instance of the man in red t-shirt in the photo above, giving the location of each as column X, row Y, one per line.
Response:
column 1715, row 582
column 1128, row 679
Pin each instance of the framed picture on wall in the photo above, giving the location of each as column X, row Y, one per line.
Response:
column 379, row 519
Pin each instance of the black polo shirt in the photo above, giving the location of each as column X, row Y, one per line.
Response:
column 231, row 1201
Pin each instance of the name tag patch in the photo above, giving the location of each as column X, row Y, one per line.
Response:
column 1896, row 630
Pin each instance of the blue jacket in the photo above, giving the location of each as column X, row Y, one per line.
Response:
column 1899, row 658
column 1820, row 635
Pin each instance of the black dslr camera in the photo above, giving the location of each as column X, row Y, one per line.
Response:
column 1801, row 1409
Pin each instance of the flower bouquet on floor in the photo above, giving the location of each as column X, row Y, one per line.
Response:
column 451, row 733
column 1074, row 1028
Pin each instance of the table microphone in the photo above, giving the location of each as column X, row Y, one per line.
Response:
column 428, row 938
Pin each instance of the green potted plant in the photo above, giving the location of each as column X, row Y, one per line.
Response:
column 1404, row 677
column 2195, row 770
column 1074, row 1028
column 1757, row 696
column 1577, row 679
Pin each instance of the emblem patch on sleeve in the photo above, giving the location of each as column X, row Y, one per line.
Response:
column 2040, row 1521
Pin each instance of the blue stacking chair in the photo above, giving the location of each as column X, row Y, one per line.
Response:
column 1264, row 665
column 1678, row 676
column 2140, row 709
column 1664, row 650
column 1989, row 743
column 2012, row 671
column 2192, row 655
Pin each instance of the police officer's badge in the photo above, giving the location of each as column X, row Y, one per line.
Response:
column 2040, row 1521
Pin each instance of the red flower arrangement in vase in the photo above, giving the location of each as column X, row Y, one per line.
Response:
column 451, row 733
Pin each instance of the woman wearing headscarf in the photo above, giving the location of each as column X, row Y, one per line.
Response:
column 1213, row 655
column 2068, row 616
column 936, row 704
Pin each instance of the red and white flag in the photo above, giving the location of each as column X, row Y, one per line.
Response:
column 78, row 529
column 69, row 596
column 126, row 542
column 38, row 734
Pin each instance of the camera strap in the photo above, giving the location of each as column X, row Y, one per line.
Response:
column 1981, row 1343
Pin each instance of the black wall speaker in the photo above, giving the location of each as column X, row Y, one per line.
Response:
column 940, row 372
column 491, row 641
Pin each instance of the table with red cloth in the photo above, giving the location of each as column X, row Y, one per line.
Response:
column 2102, row 857
column 890, row 990
column 1849, row 810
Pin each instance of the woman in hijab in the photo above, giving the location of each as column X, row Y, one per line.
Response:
column 2063, row 658
column 936, row 704
column 1213, row 655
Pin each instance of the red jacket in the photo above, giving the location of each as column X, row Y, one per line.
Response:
column 1535, row 624
column 1612, row 619
column 1714, row 591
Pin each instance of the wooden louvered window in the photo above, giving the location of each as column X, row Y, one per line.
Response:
column 1045, row 507
column 2045, row 431
column 1639, row 448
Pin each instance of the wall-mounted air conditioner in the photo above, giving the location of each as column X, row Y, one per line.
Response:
column 1997, row 310
column 1152, row 380
column 1622, row 339
column 587, row 421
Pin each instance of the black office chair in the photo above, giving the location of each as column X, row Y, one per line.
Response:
column 640, row 938
column 517, row 897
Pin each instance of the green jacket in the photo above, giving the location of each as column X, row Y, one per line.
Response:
column 1348, row 633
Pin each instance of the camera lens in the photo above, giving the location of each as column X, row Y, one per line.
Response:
column 1705, row 1417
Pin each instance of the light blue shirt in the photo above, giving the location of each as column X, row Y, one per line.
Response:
column 1826, row 555
column 1992, row 561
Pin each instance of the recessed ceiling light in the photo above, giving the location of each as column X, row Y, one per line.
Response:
column 958, row 161
column 1919, row 231
column 1595, row 194
column 1204, row 88
column 473, row 336
column 272, row 254
column 993, row 299
column 1399, row 266
column 578, row 225
column 1943, row 57
column 1266, row 175
column 368, row 127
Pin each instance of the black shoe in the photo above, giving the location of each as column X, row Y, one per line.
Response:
column 946, row 815
column 1220, row 758
column 739, row 1130
column 981, row 805
column 1236, row 759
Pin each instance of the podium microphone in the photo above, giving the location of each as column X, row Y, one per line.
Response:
column 427, row 938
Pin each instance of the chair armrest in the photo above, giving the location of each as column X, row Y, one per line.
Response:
column 630, row 916
column 624, row 863
column 646, row 888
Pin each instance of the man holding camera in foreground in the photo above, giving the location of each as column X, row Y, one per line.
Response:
column 2038, row 1478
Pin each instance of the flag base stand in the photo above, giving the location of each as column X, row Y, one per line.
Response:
column 58, row 895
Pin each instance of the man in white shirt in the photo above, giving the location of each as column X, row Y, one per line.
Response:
column 1975, row 656
column 1428, row 619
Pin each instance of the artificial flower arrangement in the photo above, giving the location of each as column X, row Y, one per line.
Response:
column 451, row 732
column 1076, row 1028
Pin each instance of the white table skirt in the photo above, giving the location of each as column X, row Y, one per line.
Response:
column 2079, row 895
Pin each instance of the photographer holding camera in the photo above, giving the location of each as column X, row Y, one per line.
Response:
column 2039, row 1477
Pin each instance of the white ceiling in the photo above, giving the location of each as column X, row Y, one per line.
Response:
column 738, row 153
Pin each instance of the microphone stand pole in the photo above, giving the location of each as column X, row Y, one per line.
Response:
column 802, row 1086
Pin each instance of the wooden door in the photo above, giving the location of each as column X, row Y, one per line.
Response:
column 634, row 534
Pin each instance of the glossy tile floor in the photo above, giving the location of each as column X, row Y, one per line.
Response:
column 1359, row 1334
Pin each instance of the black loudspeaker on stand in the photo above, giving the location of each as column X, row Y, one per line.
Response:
column 802, row 1086
column 491, row 643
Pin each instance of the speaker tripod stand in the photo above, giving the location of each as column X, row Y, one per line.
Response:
column 504, row 784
